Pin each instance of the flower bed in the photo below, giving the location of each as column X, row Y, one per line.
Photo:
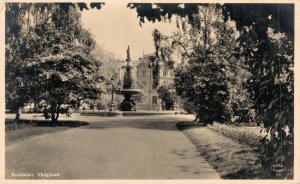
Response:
column 244, row 135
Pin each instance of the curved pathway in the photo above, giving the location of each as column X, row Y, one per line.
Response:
column 125, row 148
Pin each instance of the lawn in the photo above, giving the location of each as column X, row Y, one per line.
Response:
column 231, row 156
column 25, row 129
column 249, row 135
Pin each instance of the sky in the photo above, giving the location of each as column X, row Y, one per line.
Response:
column 115, row 27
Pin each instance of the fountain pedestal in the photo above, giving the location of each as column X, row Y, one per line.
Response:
column 128, row 103
column 128, row 91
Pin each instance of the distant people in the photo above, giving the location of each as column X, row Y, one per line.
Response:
column 92, row 106
column 45, row 112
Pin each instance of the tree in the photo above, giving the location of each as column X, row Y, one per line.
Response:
column 207, row 65
column 272, row 86
column 165, row 95
column 54, row 62
column 110, row 64
column 110, row 69
column 17, row 93
column 266, row 46
column 267, row 38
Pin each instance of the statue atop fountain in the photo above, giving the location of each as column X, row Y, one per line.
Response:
column 127, row 78
column 128, row 54
column 128, row 90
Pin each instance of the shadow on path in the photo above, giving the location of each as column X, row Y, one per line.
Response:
column 12, row 125
column 164, row 124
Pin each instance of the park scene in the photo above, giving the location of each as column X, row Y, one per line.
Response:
column 122, row 90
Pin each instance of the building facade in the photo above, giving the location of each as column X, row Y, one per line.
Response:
column 148, row 74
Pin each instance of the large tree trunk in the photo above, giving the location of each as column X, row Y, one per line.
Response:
column 55, row 108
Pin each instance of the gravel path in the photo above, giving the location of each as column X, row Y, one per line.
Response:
column 125, row 148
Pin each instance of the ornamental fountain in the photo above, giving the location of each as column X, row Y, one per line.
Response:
column 128, row 90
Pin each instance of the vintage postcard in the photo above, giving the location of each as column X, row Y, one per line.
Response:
column 149, row 91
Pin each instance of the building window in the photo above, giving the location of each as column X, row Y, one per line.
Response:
column 154, row 100
column 144, row 73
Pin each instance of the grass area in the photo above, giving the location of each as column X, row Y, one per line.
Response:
column 231, row 159
column 22, row 134
column 242, row 134
column 25, row 129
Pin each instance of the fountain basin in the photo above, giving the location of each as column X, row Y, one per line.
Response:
column 133, row 92
column 128, row 113
column 101, row 113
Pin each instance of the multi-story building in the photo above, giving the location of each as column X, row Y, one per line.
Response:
column 148, row 74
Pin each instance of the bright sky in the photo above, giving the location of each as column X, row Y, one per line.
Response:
column 115, row 27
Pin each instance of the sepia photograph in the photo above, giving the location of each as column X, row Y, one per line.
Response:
column 121, row 90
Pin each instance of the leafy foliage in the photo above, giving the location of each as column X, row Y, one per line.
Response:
column 208, row 74
column 265, row 48
column 165, row 95
column 272, row 86
column 127, row 80
column 278, row 16
column 155, row 73
column 51, row 56
column 164, row 11
column 282, row 14
column 109, row 69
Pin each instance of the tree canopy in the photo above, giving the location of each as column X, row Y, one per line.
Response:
column 263, row 50
column 282, row 14
column 49, row 56
column 207, row 69
column 166, row 96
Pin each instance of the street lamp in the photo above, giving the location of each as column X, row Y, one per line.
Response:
column 150, row 65
column 150, row 85
column 172, row 91
column 113, row 89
